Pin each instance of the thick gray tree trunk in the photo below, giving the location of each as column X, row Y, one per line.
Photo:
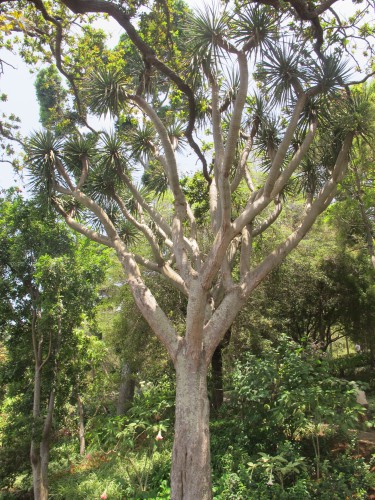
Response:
column 191, row 464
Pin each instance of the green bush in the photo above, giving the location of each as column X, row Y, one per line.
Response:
column 289, row 393
column 274, row 437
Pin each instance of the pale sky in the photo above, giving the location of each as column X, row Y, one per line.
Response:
column 18, row 84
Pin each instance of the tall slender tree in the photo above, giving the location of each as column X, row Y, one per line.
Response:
column 269, row 82
column 46, row 288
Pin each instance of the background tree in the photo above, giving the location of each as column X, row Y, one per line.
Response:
column 299, row 129
column 47, row 286
column 355, row 215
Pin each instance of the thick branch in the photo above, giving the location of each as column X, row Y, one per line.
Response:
column 284, row 146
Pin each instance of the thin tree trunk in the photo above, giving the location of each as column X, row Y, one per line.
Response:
column 191, row 467
column 39, row 448
column 217, row 394
column 44, row 461
column 40, row 440
column 126, row 390
column 34, row 448
column 81, row 426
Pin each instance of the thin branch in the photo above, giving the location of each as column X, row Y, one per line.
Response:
column 270, row 220
column 284, row 145
column 246, row 241
column 358, row 82
column 11, row 137
column 165, row 270
column 141, row 227
column 80, row 228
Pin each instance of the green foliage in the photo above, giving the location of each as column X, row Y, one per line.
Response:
column 290, row 394
column 195, row 189
column 48, row 291
column 52, row 98
column 275, row 434
column 151, row 411
column 124, row 458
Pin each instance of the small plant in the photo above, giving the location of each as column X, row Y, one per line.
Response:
column 277, row 467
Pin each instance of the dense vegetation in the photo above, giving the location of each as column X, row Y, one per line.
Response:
column 288, row 427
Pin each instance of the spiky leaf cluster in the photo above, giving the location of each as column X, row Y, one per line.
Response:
column 255, row 28
column 207, row 28
column 155, row 179
column 43, row 148
column 331, row 75
column 75, row 149
column 142, row 141
column 280, row 72
column 106, row 90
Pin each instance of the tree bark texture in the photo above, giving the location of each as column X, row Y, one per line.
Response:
column 191, row 467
